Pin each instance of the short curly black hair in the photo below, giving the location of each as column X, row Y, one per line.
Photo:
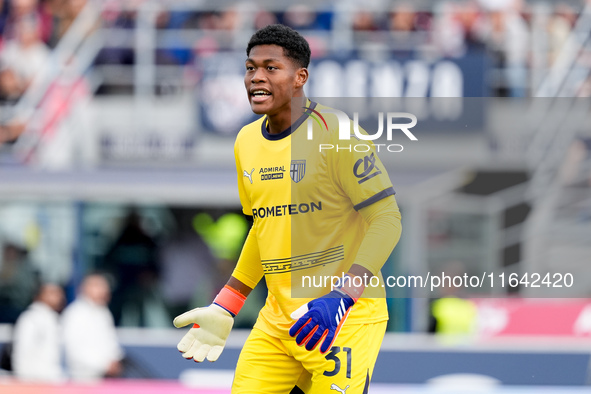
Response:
column 294, row 45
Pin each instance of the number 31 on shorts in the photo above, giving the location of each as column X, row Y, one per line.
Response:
column 332, row 356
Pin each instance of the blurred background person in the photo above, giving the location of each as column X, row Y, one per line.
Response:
column 447, row 32
column 560, row 25
column 36, row 354
column 64, row 16
column 10, row 87
column 91, row 346
column 133, row 260
column 18, row 10
column 364, row 20
column 509, row 39
column 22, row 57
column 2, row 21
column 18, row 280
column 26, row 54
column 403, row 18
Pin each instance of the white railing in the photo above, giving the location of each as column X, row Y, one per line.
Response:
column 72, row 56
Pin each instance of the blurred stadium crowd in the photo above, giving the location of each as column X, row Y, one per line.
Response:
column 521, row 41
column 504, row 29
column 29, row 29
column 159, row 260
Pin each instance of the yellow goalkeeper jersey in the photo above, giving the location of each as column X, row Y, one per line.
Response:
column 304, row 197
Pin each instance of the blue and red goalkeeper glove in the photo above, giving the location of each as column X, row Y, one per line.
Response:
column 320, row 320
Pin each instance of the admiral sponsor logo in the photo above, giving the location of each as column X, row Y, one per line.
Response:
column 270, row 173
column 287, row 209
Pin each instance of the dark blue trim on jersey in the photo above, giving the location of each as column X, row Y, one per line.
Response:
column 375, row 198
column 290, row 129
column 366, row 387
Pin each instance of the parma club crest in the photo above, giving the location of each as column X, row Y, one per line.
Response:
column 297, row 170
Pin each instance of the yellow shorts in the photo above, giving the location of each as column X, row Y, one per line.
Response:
column 268, row 365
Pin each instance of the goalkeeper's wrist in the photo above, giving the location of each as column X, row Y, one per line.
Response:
column 230, row 299
column 350, row 287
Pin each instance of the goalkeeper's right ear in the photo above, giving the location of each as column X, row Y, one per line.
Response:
column 211, row 326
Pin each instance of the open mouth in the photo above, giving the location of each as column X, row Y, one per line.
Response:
column 259, row 95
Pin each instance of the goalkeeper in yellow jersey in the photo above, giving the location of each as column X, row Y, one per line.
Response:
column 316, row 214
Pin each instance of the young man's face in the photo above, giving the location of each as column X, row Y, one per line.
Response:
column 272, row 79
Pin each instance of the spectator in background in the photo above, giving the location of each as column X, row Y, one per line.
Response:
column 170, row 53
column 364, row 21
column 448, row 33
column 18, row 281
column 115, row 16
column 459, row 28
column 508, row 36
column 66, row 14
column 133, row 261
column 3, row 16
column 403, row 23
column 91, row 345
column 471, row 20
column 264, row 18
column 402, row 19
column 11, row 88
column 48, row 13
column 300, row 17
column 17, row 11
column 26, row 54
column 230, row 19
column 559, row 27
column 36, row 354
column 10, row 91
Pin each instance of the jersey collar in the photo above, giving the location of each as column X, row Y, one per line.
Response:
column 290, row 129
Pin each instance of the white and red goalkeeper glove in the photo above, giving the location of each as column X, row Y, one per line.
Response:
column 211, row 326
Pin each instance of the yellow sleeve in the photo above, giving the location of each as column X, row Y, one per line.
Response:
column 241, row 178
column 382, row 235
column 249, row 269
